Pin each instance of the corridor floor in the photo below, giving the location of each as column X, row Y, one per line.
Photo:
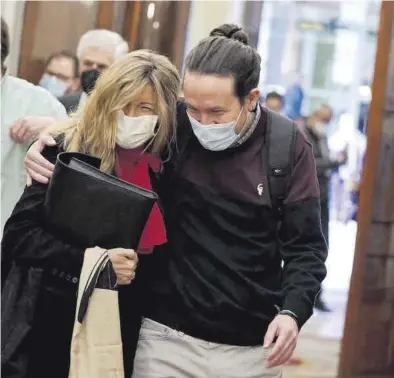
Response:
column 317, row 353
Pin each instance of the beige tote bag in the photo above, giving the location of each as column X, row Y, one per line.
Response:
column 96, row 347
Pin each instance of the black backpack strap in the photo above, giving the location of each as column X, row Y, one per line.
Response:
column 281, row 136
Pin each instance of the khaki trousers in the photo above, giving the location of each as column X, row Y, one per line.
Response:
column 165, row 353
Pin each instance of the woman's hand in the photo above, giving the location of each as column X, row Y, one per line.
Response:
column 37, row 167
column 124, row 262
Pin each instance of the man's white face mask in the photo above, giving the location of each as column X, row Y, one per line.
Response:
column 216, row 137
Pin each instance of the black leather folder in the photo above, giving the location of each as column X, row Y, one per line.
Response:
column 93, row 208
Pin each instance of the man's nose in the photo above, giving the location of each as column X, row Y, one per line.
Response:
column 205, row 119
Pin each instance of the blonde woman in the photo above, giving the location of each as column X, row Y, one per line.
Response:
column 128, row 121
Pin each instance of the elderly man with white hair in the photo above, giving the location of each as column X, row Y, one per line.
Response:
column 97, row 50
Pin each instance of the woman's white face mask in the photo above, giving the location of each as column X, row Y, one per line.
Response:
column 134, row 132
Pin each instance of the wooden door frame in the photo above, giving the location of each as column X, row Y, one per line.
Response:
column 132, row 23
column 177, row 36
column 104, row 20
column 30, row 17
column 180, row 31
column 350, row 358
column 105, row 15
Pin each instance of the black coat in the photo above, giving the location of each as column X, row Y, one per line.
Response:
column 323, row 163
column 40, row 271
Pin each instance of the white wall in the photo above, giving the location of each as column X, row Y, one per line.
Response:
column 12, row 12
column 205, row 15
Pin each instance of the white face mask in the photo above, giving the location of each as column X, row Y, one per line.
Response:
column 52, row 84
column 215, row 137
column 134, row 132
column 320, row 129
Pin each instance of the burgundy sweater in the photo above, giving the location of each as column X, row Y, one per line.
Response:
column 220, row 275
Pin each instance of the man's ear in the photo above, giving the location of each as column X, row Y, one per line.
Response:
column 254, row 99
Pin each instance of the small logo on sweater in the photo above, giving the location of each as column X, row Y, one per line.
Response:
column 260, row 189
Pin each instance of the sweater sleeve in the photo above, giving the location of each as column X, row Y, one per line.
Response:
column 28, row 239
column 303, row 246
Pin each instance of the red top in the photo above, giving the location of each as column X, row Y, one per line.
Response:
column 132, row 166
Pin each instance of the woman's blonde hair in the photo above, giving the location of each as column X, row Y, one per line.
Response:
column 93, row 128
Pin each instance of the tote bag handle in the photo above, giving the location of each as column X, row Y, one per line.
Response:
column 102, row 264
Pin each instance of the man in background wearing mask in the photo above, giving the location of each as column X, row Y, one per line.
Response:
column 315, row 128
column 19, row 98
column 97, row 50
column 61, row 75
column 216, row 300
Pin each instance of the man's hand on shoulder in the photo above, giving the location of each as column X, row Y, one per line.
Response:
column 37, row 167
column 28, row 128
column 285, row 330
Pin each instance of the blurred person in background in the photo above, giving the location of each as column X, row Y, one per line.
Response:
column 274, row 102
column 294, row 98
column 97, row 50
column 61, row 75
column 355, row 163
column 19, row 99
column 363, row 117
column 315, row 127
column 365, row 101
column 348, row 140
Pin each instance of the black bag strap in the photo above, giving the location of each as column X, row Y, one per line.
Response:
column 281, row 136
column 102, row 265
